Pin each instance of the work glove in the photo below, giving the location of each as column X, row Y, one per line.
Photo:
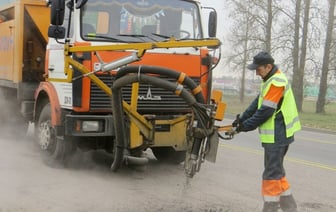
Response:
column 239, row 128
column 236, row 122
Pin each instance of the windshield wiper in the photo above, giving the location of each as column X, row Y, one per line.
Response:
column 161, row 36
column 105, row 37
column 141, row 37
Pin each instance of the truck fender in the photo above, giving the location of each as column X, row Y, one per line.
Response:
column 46, row 92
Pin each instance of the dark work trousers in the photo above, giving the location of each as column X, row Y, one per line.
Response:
column 273, row 162
column 274, row 183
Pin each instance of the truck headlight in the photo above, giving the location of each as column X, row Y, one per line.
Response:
column 91, row 126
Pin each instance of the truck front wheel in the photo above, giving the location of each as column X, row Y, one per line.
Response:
column 56, row 147
column 169, row 155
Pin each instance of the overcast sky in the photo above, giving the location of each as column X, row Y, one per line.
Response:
column 219, row 6
column 222, row 27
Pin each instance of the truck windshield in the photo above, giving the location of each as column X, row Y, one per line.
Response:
column 140, row 20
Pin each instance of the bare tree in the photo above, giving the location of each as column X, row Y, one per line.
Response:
column 301, row 35
column 332, row 62
column 270, row 25
column 321, row 100
column 251, row 32
column 299, row 52
column 297, row 85
column 268, row 40
column 243, row 23
column 242, row 84
column 302, row 62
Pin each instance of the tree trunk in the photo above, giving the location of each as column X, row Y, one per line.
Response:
column 300, row 74
column 326, row 59
column 269, row 26
column 242, row 87
column 296, row 73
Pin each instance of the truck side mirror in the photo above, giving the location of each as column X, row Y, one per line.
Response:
column 57, row 32
column 80, row 3
column 57, row 12
column 212, row 25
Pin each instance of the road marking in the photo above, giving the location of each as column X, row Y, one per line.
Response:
column 243, row 149
column 310, row 163
column 314, row 140
column 291, row 159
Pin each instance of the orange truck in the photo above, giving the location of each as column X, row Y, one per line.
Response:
column 124, row 76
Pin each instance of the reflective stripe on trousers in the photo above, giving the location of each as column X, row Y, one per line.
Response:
column 273, row 189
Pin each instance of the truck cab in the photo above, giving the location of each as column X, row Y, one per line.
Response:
column 129, row 47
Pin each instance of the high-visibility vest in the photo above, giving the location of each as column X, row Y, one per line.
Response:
column 288, row 109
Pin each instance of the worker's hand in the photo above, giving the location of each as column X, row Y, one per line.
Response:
column 239, row 127
column 236, row 122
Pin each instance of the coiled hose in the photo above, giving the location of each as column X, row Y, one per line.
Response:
column 180, row 78
column 123, row 79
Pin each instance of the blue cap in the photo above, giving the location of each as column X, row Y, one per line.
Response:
column 262, row 58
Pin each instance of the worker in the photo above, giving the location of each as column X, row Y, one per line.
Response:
column 274, row 112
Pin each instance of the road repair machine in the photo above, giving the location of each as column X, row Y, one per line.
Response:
column 119, row 75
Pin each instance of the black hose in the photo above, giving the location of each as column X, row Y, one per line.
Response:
column 163, row 72
column 118, row 110
column 158, row 82
column 118, row 118
column 172, row 74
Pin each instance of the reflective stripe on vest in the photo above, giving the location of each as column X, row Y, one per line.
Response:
column 288, row 109
column 288, row 127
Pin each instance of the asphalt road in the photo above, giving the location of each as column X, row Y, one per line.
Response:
column 30, row 182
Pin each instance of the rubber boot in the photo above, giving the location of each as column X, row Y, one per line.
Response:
column 288, row 204
column 270, row 207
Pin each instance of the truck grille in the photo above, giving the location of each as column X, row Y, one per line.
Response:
column 156, row 101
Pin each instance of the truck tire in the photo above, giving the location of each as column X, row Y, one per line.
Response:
column 169, row 155
column 59, row 148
